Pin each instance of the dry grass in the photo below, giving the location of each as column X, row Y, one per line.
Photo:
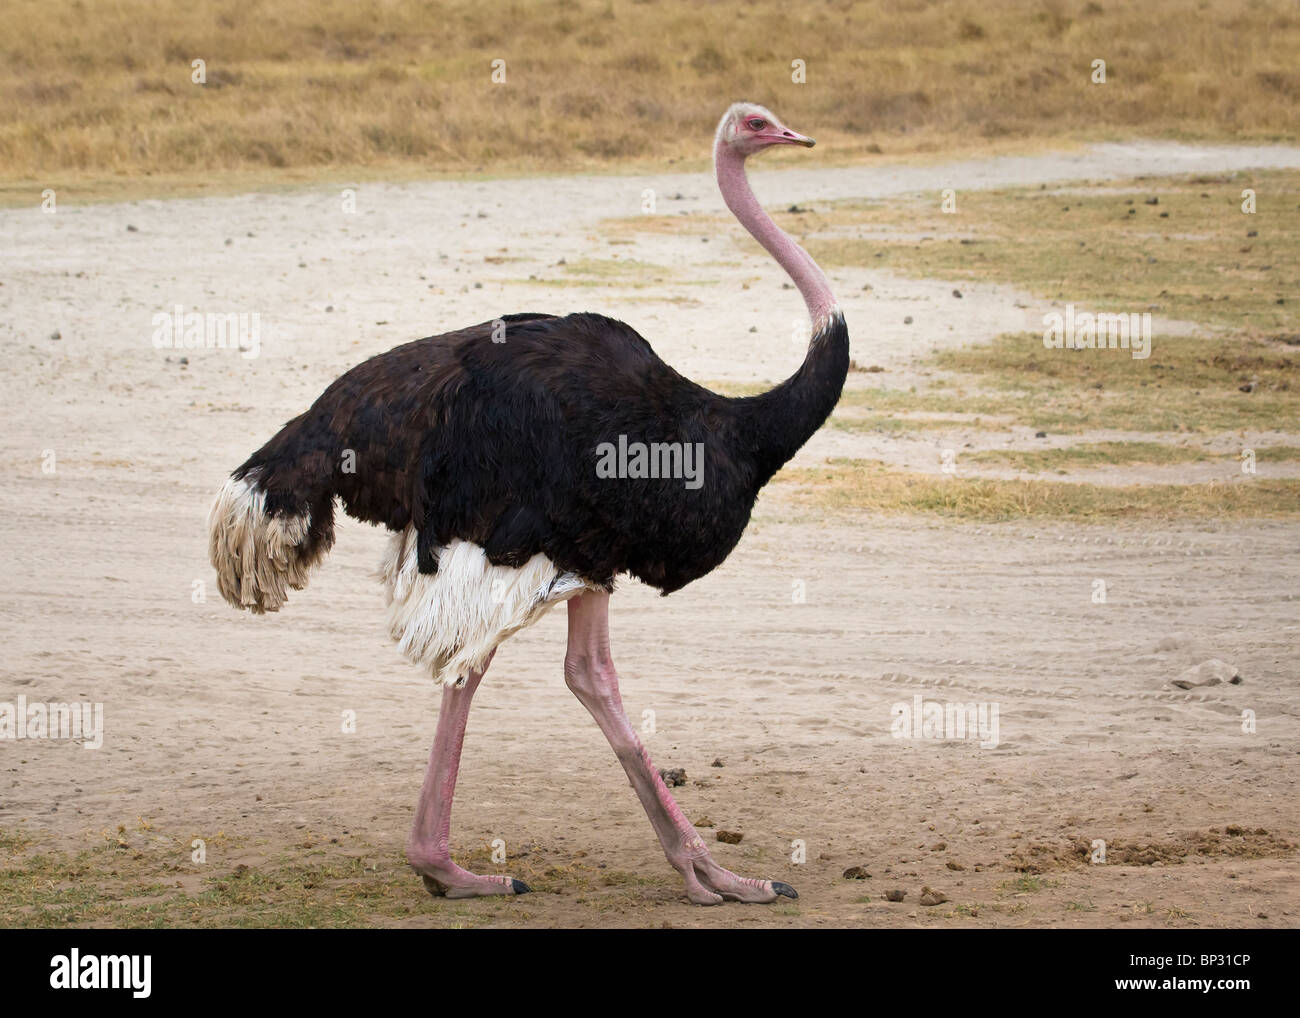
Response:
column 1179, row 247
column 1093, row 454
column 93, row 92
column 1112, row 454
column 871, row 486
column 136, row 878
column 1190, row 384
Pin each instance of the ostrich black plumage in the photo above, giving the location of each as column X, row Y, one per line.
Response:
column 479, row 450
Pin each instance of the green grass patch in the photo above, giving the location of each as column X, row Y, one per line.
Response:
column 1022, row 885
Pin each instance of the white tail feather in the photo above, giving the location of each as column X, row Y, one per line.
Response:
column 258, row 557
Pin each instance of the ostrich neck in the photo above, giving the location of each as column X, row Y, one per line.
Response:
column 782, row 419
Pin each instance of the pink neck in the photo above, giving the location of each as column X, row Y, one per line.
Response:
column 734, row 185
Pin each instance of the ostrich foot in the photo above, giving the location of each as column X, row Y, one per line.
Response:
column 707, row 883
column 445, row 879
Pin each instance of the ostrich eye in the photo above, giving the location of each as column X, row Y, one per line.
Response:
column 757, row 124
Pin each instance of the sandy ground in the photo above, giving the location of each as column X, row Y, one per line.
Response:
column 220, row 722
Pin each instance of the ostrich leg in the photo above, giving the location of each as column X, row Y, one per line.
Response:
column 428, row 849
column 589, row 672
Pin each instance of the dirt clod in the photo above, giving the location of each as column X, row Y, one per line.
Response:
column 929, row 896
column 673, row 776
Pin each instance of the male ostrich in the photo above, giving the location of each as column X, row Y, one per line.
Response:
column 481, row 457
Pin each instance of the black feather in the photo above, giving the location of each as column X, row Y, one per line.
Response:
column 496, row 443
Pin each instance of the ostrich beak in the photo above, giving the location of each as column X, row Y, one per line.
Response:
column 783, row 136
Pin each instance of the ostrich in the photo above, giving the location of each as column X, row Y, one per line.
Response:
column 481, row 451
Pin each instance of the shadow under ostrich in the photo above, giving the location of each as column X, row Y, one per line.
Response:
column 481, row 449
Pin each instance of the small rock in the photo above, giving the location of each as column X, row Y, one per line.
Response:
column 907, row 320
column 184, row 361
column 1252, row 233
column 929, row 896
column 895, row 895
column 704, row 822
column 957, row 294
column 131, row 229
column 673, row 776
column 56, row 334
column 942, row 846
column 857, row 873
column 1040, row 434
column 1153, row 201
column 731, row 837
column 958, row 867
column 717, row 762
column 329, row 307
column 1208, row 673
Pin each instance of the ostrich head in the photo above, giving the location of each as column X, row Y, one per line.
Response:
column 748, row 128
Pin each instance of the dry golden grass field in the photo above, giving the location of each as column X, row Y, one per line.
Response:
column 99, row 97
